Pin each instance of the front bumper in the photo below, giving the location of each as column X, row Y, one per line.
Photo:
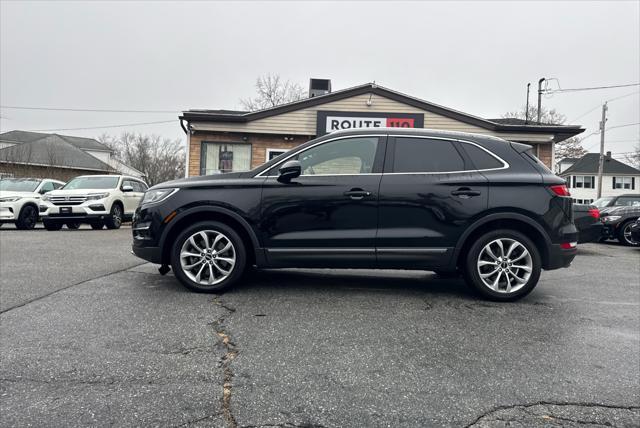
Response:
column 88, row 211
column 150, row 254
column 610, row 230
column 9, row 211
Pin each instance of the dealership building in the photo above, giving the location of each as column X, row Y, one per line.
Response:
column 230, row 141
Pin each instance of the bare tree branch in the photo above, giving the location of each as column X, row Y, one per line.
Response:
column 272, row 91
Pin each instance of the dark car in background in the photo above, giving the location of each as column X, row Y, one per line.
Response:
column 618, row 213
column 635, row 230
column 587, row 221
column 386, row 198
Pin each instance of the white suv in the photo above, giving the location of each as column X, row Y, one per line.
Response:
column 99, row 200
column 19, row 199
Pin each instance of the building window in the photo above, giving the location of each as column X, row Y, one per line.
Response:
column 584, row 181
column 217, row 158
column 583, row 201
column 623, row 183
column 274, row 153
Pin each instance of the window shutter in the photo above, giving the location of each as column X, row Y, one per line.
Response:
column 574, row 181
column 633, row 183
column 593, row 181
column 614, row 182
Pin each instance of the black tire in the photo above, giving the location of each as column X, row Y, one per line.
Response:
column 73, row 225
column 27, row 218
column 472, row 274
column 114, row 220
column 97, row 226
column 238, row 246
column 626, row 240
column 52, row 225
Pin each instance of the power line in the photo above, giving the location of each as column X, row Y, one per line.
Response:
column 593, row 88
column 94, row 110
column 623, row 126
column 107, row 126
column 599, row 105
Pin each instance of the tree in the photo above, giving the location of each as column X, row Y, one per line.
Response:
column 160, row 159
column 633, row 158
column 273, row 91
column 569, row 148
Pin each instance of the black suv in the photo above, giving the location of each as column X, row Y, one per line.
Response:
column 618, row 213
column 377, row 198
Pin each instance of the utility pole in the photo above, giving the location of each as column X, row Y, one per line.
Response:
column 526, row 110
column 601, row 162
column 540, row 98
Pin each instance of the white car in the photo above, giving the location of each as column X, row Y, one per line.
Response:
column 98, row 200
column 20, row 197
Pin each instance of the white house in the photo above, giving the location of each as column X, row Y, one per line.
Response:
column 617, row 179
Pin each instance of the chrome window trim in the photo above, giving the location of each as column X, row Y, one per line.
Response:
column 505, row 164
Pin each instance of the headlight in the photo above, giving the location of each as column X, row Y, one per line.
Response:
column 158, row 195
column 10, row 198
column 96, row 196
column 610, row 218
column 46, row 197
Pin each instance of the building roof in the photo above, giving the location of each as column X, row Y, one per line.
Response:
column 561, row 132
column 49, row 150
column 569, row 160
column 28, row 137
column 588, row 164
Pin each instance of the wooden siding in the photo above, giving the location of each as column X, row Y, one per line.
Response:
column 303, row 122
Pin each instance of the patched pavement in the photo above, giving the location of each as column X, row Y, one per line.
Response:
column 318, row 347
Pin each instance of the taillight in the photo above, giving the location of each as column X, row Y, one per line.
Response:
column 594, row 212
column 560, row 190
column 568, row 245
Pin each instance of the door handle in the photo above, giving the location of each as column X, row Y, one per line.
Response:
column 465, row 192
column 357, row 194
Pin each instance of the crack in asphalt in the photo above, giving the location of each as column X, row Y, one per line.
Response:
column 200, row 419
column 525, row 408
column 231, row 352
column 66, row 287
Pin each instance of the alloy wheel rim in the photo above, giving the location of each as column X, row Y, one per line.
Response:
column 117, row 217
column 207, row 257
column 504, row 265
column 626, row 232
column 31, row 217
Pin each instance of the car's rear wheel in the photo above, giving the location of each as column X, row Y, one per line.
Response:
column 624, row 235
column 73, row 225
column 208, row 257
column 503, row 265
column 27, row 218
column 52, row 225
column 114, row 220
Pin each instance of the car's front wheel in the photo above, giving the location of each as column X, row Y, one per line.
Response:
column 73, row 225
column 97, row 226
column 27, row 218
column 114, row 220
column 503, row 265
column 52, row 225
column 208, row 257
column 624, row 235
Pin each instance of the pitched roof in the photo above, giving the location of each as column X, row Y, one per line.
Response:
column 52, row 150
column 589, row 164
column 561, row 132
column 28, row 137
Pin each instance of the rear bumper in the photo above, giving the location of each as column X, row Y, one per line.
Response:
column 560, row 257
column 591, row 233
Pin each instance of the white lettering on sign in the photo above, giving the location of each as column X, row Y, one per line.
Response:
column 335, row 123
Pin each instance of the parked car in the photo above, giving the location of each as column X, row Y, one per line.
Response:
column 587, row 221
column 98, row 200
column 618, row 221
column 19, row 199
column 635, row 230
column 374, row 198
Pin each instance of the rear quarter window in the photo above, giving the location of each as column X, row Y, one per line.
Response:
column 481, row 158
column 426, row 155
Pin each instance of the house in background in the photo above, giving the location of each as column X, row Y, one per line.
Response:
column 33, row 154
column 565, row 164
column 617, row 178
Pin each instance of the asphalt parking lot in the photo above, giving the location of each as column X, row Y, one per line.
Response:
column 91, row 336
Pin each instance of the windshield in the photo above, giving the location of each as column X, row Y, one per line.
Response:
column 19, row 184
column 92, row 183
column 602, row 202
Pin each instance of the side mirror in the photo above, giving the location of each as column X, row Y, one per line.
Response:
column 127, row 188
column 289, row 171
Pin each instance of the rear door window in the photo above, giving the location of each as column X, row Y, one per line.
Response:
column 425, row 155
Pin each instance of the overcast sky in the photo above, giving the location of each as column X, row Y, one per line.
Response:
column 475, row 57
